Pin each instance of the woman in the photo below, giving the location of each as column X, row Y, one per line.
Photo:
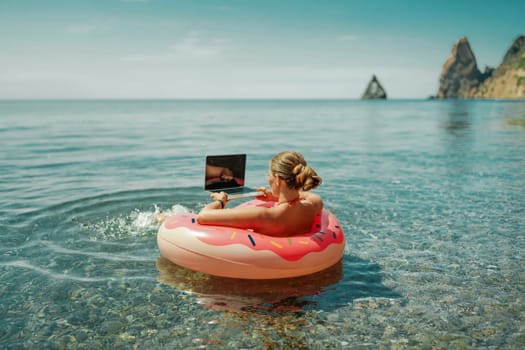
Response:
column 294, row 210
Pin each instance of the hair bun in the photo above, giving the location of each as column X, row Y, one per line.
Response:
column 298, row 169
column 312, row 180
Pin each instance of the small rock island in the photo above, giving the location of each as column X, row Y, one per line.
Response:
column 374, row 90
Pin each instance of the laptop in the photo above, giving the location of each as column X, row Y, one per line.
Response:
column 227, row 173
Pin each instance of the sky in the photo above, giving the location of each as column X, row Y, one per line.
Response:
column 242, row 49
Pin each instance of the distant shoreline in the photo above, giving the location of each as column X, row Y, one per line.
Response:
column 261, row 100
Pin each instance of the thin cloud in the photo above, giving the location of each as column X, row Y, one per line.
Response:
column 306, row 72
column 81, row 28
column 349, row 37
column 193, row 45
column 150, row 58
column 37, row 76
column 89, row 26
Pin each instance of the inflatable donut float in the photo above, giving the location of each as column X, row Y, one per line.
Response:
column 240, row 253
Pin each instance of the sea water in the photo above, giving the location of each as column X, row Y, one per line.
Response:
column 430, row 194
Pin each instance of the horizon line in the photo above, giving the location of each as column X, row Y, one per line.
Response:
column 254, row 99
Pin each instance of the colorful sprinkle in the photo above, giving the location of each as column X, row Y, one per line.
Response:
column 289, row 241
column 192, row 220
column 232, row 236
column 275, row 244
column 251, row 240
column 304, row 242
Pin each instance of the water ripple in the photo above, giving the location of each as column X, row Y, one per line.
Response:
column 99, row 255
column 24, row 264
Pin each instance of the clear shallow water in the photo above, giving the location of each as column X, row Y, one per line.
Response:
column 430, row 195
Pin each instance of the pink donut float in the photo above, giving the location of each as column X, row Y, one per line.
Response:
column 239, row 253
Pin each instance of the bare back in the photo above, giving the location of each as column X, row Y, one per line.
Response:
column 282, row 219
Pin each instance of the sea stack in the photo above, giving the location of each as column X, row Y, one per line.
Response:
column 460, row 72
column 461, row 78
column 374, row 90
column 507, row 81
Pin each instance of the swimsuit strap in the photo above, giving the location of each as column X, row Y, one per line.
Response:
column 291, row 202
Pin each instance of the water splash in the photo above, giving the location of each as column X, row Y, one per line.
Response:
column 137, row 223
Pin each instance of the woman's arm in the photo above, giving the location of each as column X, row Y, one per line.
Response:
column 250, row 217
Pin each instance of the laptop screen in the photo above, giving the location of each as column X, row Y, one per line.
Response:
column 224, row 172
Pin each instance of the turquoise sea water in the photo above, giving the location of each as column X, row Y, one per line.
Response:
column 431, row 196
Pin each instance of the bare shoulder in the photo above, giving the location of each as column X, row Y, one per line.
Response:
column 314, row 199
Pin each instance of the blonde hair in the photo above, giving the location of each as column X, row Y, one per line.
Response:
column 292, row 168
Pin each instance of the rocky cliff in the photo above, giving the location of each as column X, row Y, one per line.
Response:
column 374, row 90
column 461, row 78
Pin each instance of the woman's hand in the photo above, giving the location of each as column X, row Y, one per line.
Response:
column 220, row 196
column 267, row 195
column 219, row 201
